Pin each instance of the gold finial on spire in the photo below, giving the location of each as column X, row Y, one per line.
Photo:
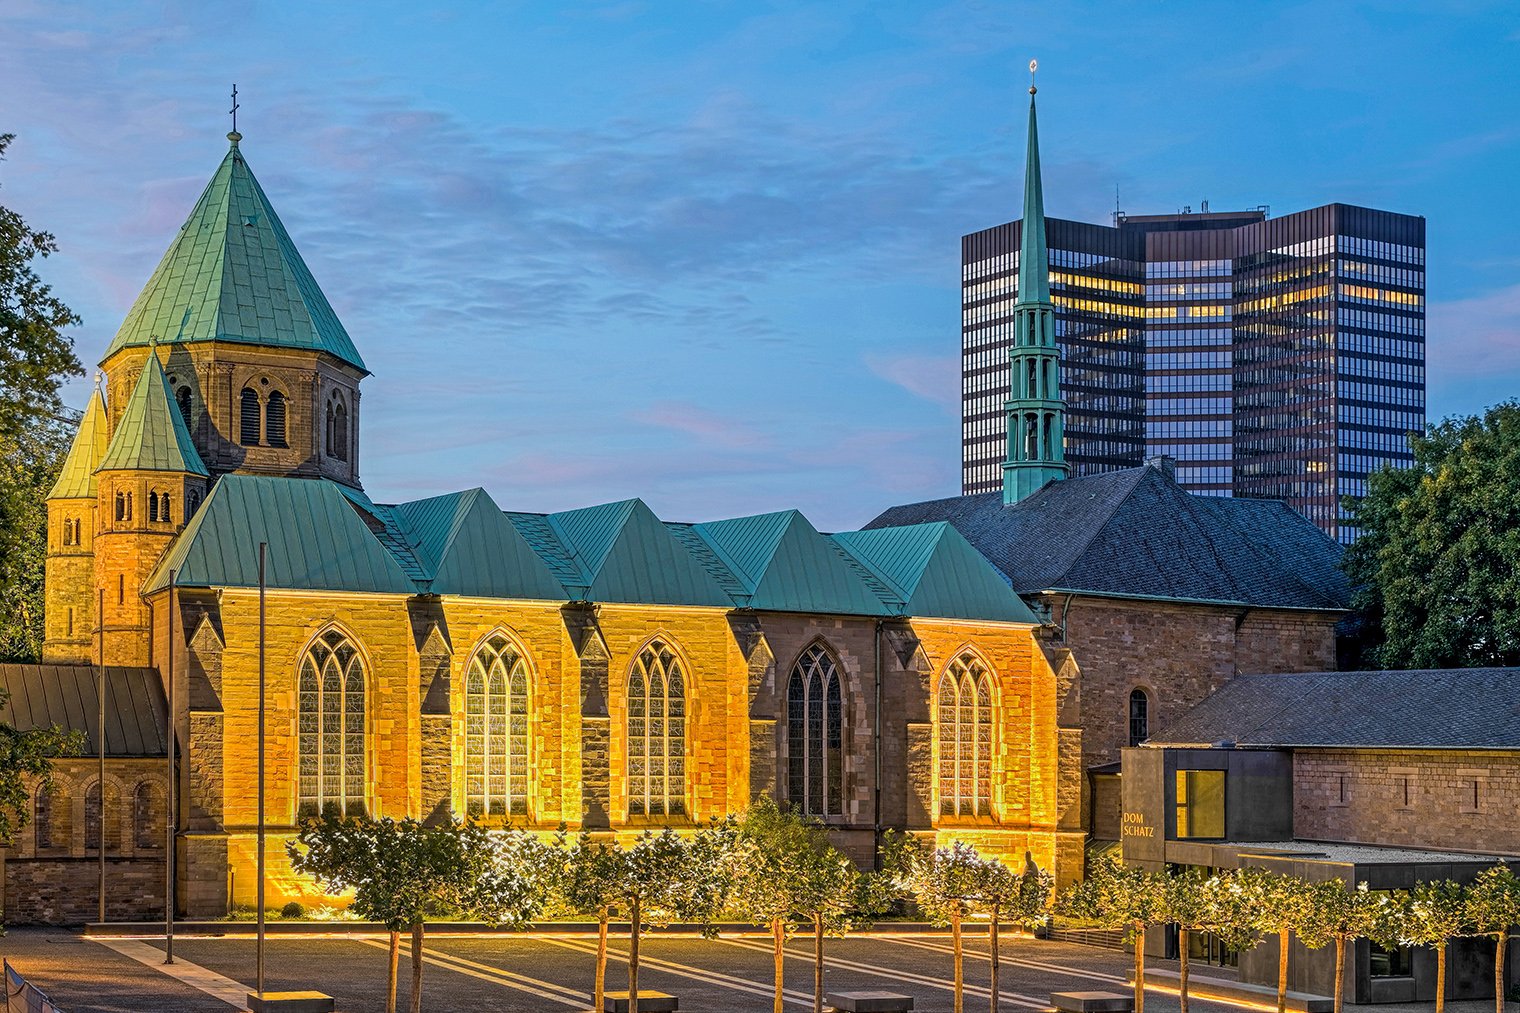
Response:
column 1033, row 66
column 234, row 136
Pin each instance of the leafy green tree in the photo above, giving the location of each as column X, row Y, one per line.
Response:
column 590, row 883
column 1337, row 914
column 945, row 882
column 1432, row 914
column 1023, row 898
column 1435, row 570
column 1493, row 905
column 26, row 766
column 35, row 429
column 1199, row 903
column 1273, row 903
column 1119, row 896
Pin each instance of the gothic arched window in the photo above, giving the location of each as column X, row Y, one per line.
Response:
column 148, row 816
column 51, row 818
column 1139, row 717
column 656, row 733
column 965, row 739
column 248, row 434
column 331, row 727
column 182, row 397
column 815, row 736
column 92, row 817
column 274, row 420
column 496, row 731
column 337, row 430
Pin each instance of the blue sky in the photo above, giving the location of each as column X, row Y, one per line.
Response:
column 707, row 253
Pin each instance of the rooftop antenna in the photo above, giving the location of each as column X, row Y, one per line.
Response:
column 1117, row 212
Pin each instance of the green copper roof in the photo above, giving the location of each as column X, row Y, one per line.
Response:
column 77, row 480
column 151, row 435
column 472, row 549
column 1034, row 259
column 937, row 572
column 232, row 274
column 317, row 540
column 785, row 565
column 627, row 555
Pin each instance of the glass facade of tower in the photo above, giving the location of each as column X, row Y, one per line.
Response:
column 1273, row 358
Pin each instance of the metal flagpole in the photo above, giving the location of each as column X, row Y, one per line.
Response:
column 100, row 748
column 169, row 856
column 263, row 546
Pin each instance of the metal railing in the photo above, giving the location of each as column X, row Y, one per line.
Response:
column 21, row 996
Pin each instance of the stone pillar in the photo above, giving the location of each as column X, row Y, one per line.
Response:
column 596, row 722
column 435, row 663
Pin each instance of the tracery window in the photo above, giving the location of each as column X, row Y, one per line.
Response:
column 965, row 739
column 496, row 731
column 656, row 733
column 1139, row 717
column 274, row 420
column 248, row 434
column 92, row 818
column 815, row 735
column 331, row 727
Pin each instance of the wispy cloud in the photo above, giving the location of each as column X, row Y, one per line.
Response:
column 935, row 378
column 1475, row 337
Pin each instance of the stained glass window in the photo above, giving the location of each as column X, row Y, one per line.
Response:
column 965, row 739
column 496, row 731
column 330, row 728
column 815, row 735
column 656, row 733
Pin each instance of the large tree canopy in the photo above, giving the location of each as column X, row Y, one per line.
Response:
column 1437, row 568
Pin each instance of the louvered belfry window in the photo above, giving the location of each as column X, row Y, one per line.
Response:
column 274, row 420
column 496, row 731
column 331, row 727
column 815, row 736
column 248, row 434
column 656, row 733
column 182, row 397
column 965, row 739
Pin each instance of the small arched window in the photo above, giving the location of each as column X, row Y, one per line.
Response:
column 331, row 727
column 965, row 739
column 148, row 816
column 93, row 819
column 274, row 420
column 337, row 430
column 192, row 500
column 78, row 533
column 496, row 731
column 123, row 506
column 815, row 736
column 152, row 506
column 656, row 733
column 51, row 818
column 248, row 434
column 164, row 513
column 182, row 398
column 1139, row 717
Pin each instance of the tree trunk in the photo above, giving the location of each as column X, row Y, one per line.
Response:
column 1140, row 971
column 1182, row 948
column 1282, row 970
column 601, row 960
column 1441, row 977
column 955, row 941
column 633, row 956
column 817, row 963
column 390, row 976
column 1340, row 971
column 778, row 933
column 416, row 967
column 992, row 942
column 1499, row 970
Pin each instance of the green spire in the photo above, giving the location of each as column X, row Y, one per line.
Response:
column 77, row 480
column 1036, row 412
column 152, row 435
column 232, row 274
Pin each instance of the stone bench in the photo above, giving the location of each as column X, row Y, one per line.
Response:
column 1202, row 987
column 290, row 1002
column 868, row 1002
column 649, row 1002
column 1092, row 1002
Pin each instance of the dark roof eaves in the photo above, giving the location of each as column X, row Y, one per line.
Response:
column 1232, row 603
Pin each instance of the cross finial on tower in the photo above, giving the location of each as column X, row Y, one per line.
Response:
column 234, row 136
column 1034, row 65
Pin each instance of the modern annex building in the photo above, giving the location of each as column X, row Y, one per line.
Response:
column 599, row 668
column 1278, row 358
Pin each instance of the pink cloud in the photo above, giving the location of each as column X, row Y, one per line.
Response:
column 932, row 377
column 1475, row 337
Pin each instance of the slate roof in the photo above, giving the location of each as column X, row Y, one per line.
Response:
column 151, row 434
column 1454, row 708
column 233, row 274
column 77, row 479
column 42, row 696
column 1136, row 533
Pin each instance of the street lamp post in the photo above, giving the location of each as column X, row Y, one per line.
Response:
column 263, row 546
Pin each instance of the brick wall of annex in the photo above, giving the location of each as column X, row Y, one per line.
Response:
column 1411, row 799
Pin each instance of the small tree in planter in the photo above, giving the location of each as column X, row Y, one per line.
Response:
column 1336, row 914
column 1199, row 903
column 1021, row 897
column 1118, row 896
column 1432, row 914
column 1270, row 902
column 589, row 881
column 945, row 882
column 1493, row 905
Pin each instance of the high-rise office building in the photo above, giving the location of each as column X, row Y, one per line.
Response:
column 1272, row 357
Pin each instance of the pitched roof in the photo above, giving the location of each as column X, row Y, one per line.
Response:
column 151, row 434
column 233, row 274
column 1137, row 533
column 625, row 554
column 42, row 696
column 77, row 479
column 474, row 550
column 936, row 573
column 1454, row 708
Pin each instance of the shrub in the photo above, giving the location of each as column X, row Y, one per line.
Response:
column 293, row 910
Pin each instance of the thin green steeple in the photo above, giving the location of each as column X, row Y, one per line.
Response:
column 232, row 274
column 1036, row 412
column 152, row 435
column 77, row 479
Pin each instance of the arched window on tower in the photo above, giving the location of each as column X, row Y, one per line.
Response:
column 1031, row 437
column 93, row 818
column 248, row 434
column 815, row 736
column 152, row 506
column 496, row 731
column 337, row 430
column 1139, row 717
column 965, row 739
column 274, row 420
column 656, row 733
column 330, row 729
column 182, row 397
column 164, row 514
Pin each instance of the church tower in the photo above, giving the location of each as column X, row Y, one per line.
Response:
column 1036, row 412
column 149, row 480
column 69, row 579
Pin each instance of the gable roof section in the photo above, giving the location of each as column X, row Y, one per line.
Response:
column 936, row 573
column 471, row 548
column 784, row 565
column 317, row 540
column 233, row 274
column 42, row 696
column 1462, row 708
column 625, row 554
column 1137, row 533
column 151, row 435
column 77, row 478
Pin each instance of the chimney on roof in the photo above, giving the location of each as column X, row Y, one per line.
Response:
column 1164, row 463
